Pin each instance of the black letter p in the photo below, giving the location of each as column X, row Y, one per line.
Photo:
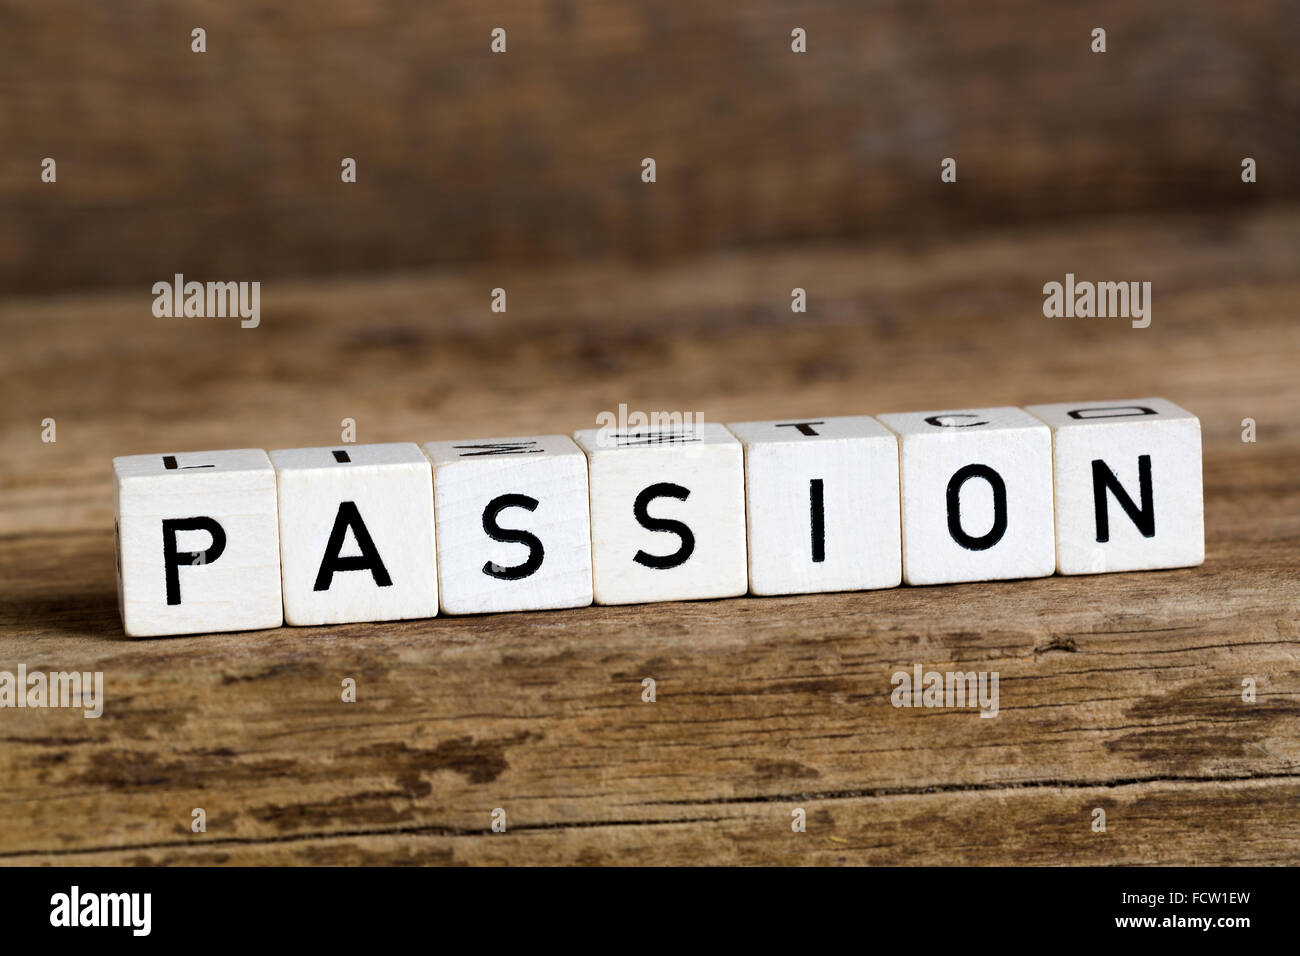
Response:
column 173, row 559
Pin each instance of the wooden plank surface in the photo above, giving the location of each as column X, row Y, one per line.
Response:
column 1121, row 692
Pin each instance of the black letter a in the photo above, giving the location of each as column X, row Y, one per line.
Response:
column 368, row 560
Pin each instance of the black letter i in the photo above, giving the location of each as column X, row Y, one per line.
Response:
column 818, row 520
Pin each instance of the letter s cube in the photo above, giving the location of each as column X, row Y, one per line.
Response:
column 514, row 530
column 667, row 513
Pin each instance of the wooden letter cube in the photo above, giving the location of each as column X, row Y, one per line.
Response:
column 356, row 533
column 822, row 505
column 1128, row 485
column 514, row 527
column 667, row 513
column 977, row 495
column 197, row 549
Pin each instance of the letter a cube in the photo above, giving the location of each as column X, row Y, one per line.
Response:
column 357, row 533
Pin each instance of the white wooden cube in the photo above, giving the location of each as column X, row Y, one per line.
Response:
column 356, row 533
column 977, row 495
column 197, row 548
column 1128, row 485
column 821, row 499
column 667, row 513
column 514, row 527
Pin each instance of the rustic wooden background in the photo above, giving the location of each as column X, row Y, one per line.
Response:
column 225, row 165
column 1121, row 691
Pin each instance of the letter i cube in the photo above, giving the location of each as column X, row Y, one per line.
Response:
column 822, row 505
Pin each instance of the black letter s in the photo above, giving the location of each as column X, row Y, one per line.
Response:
column 494, row 531
column 663, row 489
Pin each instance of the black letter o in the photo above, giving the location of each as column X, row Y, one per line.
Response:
column 994, row 535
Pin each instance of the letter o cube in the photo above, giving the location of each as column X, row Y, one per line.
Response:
column 976, row 488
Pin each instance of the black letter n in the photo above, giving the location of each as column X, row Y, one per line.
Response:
column 1103, row 479
column 368, row 560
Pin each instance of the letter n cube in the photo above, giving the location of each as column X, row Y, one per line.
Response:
column 1128, row 485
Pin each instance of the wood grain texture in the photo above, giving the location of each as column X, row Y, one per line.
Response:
column 1120, row 691
column 226, row 165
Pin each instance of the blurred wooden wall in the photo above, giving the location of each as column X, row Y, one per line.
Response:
column 226, row 164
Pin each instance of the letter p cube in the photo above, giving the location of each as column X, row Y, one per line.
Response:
column 197, row 543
